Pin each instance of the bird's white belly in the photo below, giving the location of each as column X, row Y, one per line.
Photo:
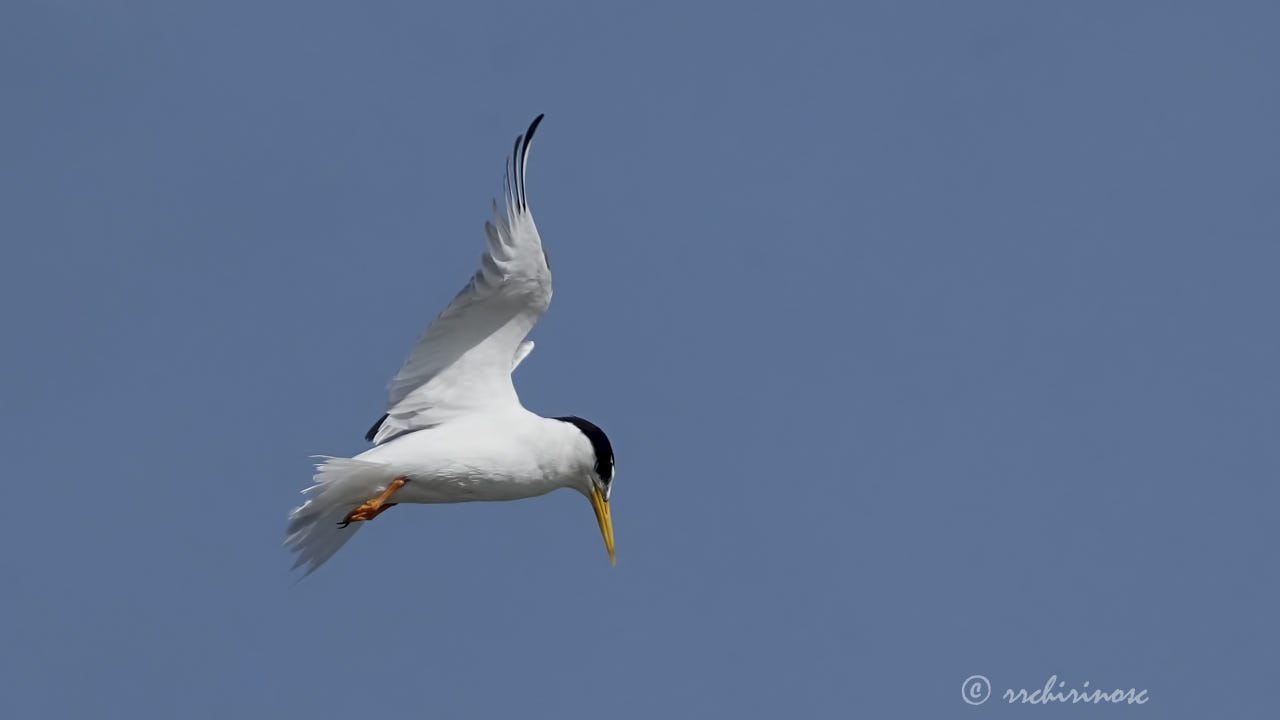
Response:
column 438, row 488
column 465, row 463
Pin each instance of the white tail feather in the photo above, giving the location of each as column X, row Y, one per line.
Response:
column 340, row 486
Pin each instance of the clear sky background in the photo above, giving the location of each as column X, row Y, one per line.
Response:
column 934, row 339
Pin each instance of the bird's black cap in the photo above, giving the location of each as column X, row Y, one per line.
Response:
column 599, row 444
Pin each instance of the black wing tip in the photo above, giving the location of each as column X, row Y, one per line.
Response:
column 516, row 181
column 373, row 431
column 520, row 159
column 533, row 126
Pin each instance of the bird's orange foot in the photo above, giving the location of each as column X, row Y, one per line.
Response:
column 375, row 507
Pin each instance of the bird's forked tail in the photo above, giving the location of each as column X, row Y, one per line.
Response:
column 340, row 485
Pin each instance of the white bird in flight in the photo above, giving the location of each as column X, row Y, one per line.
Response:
column 454, row 430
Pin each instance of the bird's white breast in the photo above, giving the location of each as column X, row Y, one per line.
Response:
column 501, row 456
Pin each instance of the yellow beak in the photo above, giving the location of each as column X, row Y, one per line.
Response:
column 601, row 506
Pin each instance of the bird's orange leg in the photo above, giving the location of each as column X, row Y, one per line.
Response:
column 373, row 508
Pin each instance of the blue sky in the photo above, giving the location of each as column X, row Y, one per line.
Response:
column 934, row 339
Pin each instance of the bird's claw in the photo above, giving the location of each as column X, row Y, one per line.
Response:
column 374, row 507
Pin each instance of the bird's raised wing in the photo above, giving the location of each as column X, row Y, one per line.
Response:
column 463, row 362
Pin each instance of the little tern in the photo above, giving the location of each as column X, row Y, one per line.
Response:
column 454, row 429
